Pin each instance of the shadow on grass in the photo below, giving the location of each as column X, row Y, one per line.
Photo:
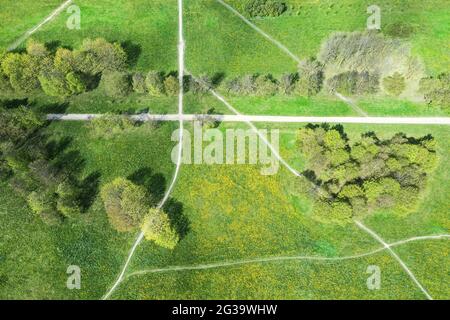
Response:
column 155, row 185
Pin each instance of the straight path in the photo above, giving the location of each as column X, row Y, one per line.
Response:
column 262, row 118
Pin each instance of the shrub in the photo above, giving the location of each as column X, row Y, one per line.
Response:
column 125, row 203
column 265, row 8
column 156, row 227
column 115, row 83
column 154, row 83
column 108, row 126
column 138, row 83
column 68, row 199
column 353, row 82
column 171, row 85
column 395, row 84
column 17, row 124
column 310, row 78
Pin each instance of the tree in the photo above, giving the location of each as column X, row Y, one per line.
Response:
column 353, row 82
column 171, row 85
column 65, row 61
column 23, row 71
column 310, row 77
column 154, row 83
column 156, row 227
column 201, row 85
column 125, row 203
column 115, row 83
column 266, row 85
column 138, row 83
column 98, row 55
column 395, row 84
column 54, row 84
column 76, row 83
column 17, row 124
column 287, row 82
column 436, row 90
column 36, row 49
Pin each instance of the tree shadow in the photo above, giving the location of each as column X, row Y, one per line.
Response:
column 217, row 79
column 14, row 103
column 178, row 219
column 54, row 107
column 133, row 52
column 154, row 183
column 89, row 189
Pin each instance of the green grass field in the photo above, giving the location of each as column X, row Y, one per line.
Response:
column 232, row 213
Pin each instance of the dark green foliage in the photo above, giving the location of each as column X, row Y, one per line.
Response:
column 353, row 83
column 369, row 175
column 77, row 83
column 17, row 124
column 310, row 78
column 395, row 84
column 23, row 71
column 436, row 90
column 265, row 8
column 116, row 83
column 399, row 30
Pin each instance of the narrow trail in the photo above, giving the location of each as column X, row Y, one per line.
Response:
column 283, row 258
column 352, row 104
column 400, row 261
column 257, row 29
column 29, row 32
column 181, row 53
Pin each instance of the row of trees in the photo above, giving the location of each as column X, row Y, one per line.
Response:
column 356, row 179
column 129, row 208
column 62, row 73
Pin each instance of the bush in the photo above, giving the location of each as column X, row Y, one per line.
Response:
column 154, row 83
column 265, row 8
column 125, row 203
column 395, row 84
column 171, row 85
column 17, row 124
column 156, row 227
column 310, row 78
column 108, row 126
column 116, row 84
column 138, row 83
column 353, row 82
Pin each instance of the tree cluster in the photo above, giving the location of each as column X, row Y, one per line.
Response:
column 371, row 174
column 265, row 8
